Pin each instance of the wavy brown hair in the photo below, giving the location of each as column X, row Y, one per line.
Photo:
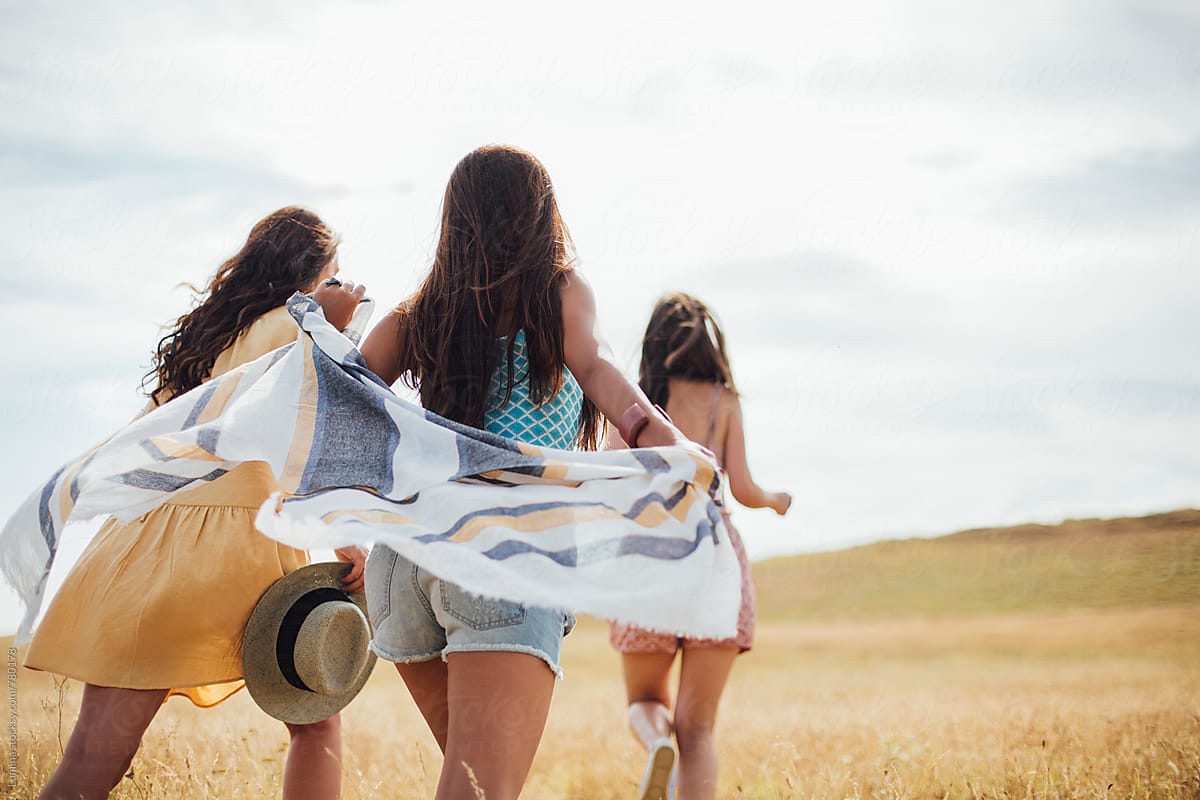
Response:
column 285, row 252
column 683, row 340
column 502, row 254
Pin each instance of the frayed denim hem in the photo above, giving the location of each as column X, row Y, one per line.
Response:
column 501, row 647
column 407, row 658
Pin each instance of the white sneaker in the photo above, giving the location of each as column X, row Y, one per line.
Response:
column 660, row 765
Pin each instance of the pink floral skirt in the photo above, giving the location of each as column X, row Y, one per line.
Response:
column 631, row 639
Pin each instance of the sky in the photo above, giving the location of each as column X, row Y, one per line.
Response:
column 953, row 246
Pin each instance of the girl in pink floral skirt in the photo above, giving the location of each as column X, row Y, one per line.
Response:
column 685, row 370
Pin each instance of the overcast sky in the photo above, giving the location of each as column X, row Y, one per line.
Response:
column 954, row 246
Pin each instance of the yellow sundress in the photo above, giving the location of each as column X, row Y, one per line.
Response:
column 161, row 602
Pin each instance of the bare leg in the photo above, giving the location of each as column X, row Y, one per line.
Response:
column 498, row 703
column 648, row 695
column 701, row 681
column 426, row 682
column 106, row 736
column 314, row 761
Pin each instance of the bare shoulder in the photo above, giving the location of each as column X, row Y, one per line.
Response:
column 273, row 329
column 728, row 400
column 725, row 407
column 729, row 405
column 381, row 348
column 575, row 292
column 276, row 318
column 395, row 318
column 389, row 330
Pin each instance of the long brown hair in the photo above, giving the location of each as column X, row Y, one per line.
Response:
column 683, row 340
column 285, row 252
column 502, row 253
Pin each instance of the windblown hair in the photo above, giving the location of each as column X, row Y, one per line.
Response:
column 502, row 254
column 683, row 340
column 285, row 252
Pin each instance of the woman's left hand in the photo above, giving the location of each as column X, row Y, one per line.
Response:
column 353, row 582
column 662, row 433
column 700, row 450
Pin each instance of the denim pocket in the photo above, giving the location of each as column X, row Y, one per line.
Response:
column 480, row 613
column 381, row 564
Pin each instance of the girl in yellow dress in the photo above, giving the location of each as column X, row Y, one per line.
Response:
column 158, row 606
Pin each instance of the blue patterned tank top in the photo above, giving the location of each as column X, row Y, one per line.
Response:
column 553, row 424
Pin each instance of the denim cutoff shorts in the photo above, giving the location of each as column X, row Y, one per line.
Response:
column 419, row 617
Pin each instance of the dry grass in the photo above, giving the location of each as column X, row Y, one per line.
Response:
column 1110, row 564
column 1084, row 704
column 1021, row 663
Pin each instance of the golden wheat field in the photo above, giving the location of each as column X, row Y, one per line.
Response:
column 1074, row 703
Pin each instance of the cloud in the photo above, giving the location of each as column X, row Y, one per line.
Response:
column 97, row 215
column 1136, row 188
column 818, row 300
column 42, row 162
column 835, row 185
column 789, row 272
column 947, row 161
column 1124, row 53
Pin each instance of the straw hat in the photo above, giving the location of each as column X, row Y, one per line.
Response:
column 305, row 651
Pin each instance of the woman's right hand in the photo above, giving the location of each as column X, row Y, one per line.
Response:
column 780, row 502
column 356, row 555
column 338, row 299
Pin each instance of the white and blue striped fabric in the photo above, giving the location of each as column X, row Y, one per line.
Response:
column 633, row 536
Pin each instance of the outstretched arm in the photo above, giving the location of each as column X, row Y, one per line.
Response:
column 744, row 489
column 591, row 361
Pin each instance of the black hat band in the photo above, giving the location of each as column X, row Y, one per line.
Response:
column 289, row 629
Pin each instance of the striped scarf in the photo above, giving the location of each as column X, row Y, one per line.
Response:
column 633, row 536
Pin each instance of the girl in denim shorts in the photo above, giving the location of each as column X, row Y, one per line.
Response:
column 501, row 335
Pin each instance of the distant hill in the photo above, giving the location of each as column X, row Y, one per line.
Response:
column 1080, row 564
